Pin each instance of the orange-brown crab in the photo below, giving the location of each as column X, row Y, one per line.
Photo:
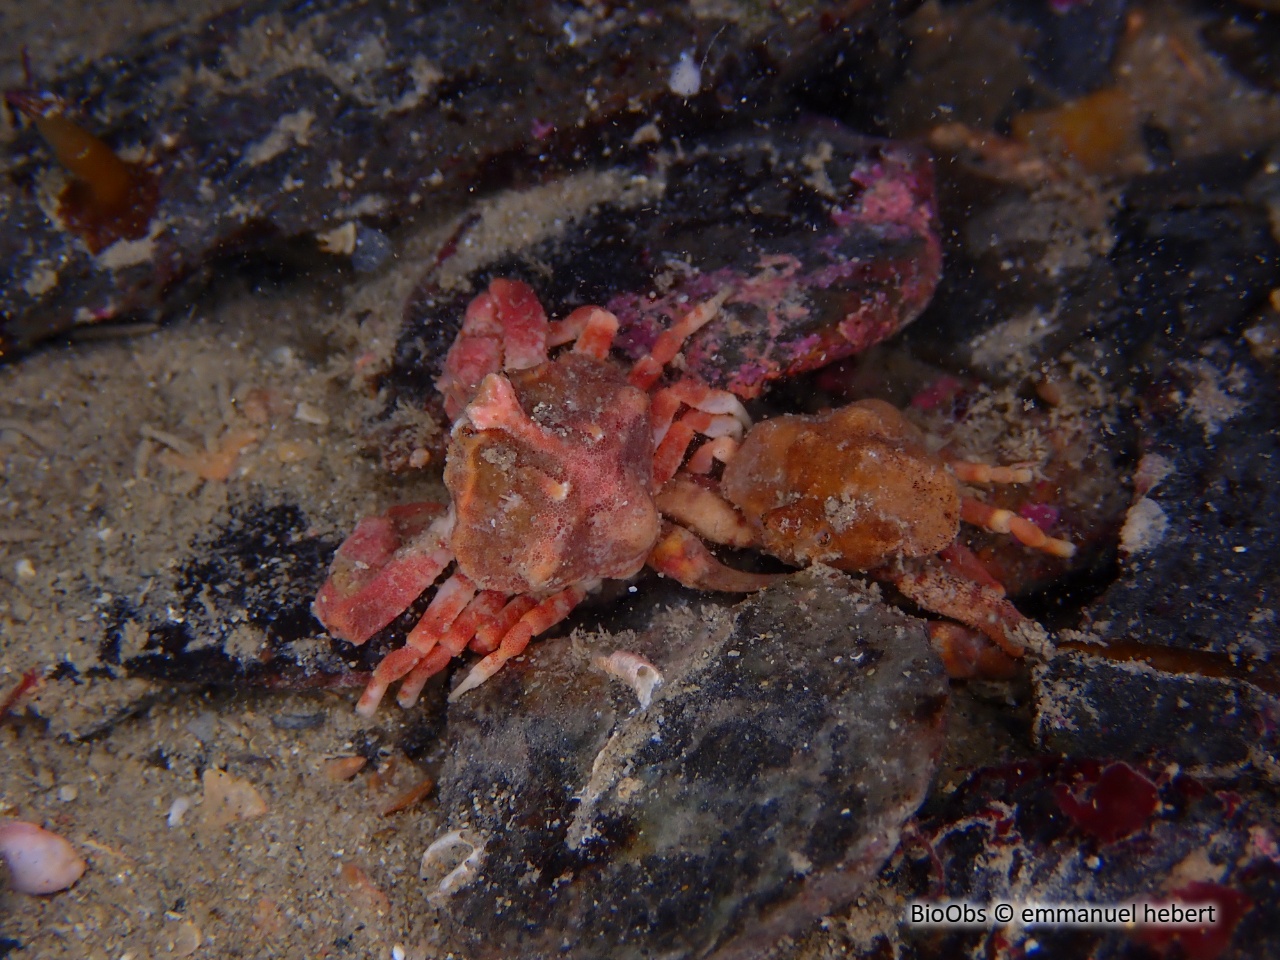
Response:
column 856, row 488
column 560, row 471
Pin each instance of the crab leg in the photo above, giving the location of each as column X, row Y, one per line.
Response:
column 389, row 669
column 967, row 471
column 489, row 635
column 469, row 361
column 647, row 369
column 511, row 310
column 540, row 619
column 721, row 448
column 964, row 563
column 704, row 511
column 671, row 451
column 933, row 587
column 701, row 397
column 967, row 653
column 691, row 393
column 504, row 328
column 454, row 594
column 1004, row 521
column 592, row 329
column 484, row 606
column 451, row 598
column 683, row 557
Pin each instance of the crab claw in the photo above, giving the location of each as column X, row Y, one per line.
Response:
column 683, row 557
column 382, row 568
column 505, row 328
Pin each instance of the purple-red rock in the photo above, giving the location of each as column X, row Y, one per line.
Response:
column 819, row 243
column 1002, row 837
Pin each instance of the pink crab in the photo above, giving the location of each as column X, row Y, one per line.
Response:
column 552, row 468
column 561, row 471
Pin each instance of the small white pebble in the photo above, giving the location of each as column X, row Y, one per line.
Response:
column 340, row 241
column 67, row 794
column 25, row 569
column 686, row 76
column 204, row 727
column 1144, row 527
column 310, row 413
column 178, row 810
column 186, row 938
column 397, row 952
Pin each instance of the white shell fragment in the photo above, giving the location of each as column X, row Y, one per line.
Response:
column 686, row 76
column 340, row 241
column 39, row 862
column 1144, row 527
column 635, row 671
column 457, row 858
column 177, row 810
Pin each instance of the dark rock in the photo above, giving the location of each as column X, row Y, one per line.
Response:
column 1209, row 583
column 241, row 600
column 1191, row 254
column 281, row 119
column 1194, row 253
column 1249, row 41
column 1179, row 658
column 1073, row 43
column 1090, row 705
column 760, row 790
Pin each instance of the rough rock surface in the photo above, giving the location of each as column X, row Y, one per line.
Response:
column 761, row 789
column 279, row 125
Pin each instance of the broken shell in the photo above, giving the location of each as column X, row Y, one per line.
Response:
column 228, row 799
column 177, row 810
column 415, row 794
column 635, row 671
column 454, row 856
column 343, row 768
column 38, row 861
